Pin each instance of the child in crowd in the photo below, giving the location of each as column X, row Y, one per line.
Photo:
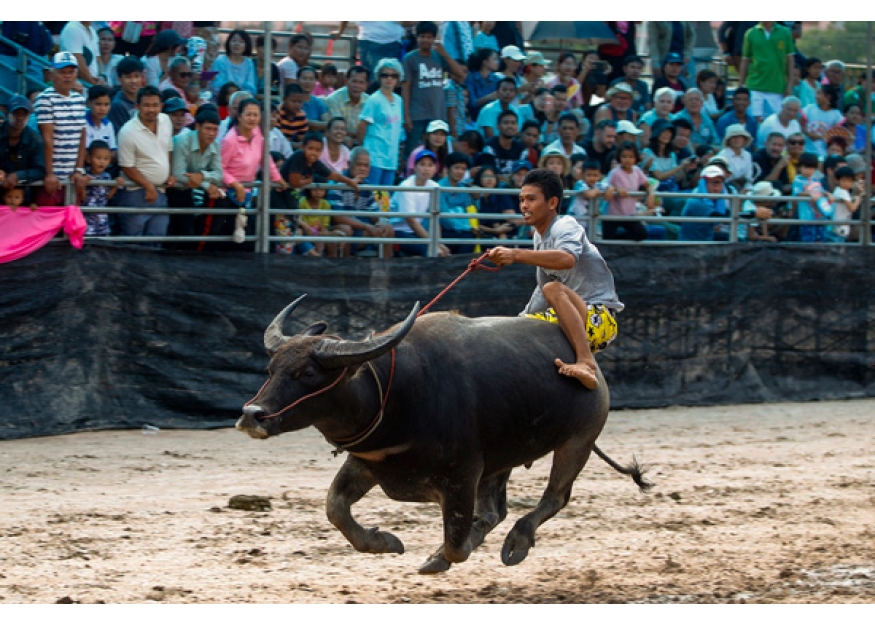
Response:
column 97, row 126
column 846, row 198
column 623, row 179
column 758, row 231
column 706, row 81
column 14, row 199
column 314, row 225
column 485, row 38
column 590, row 188
column 223, row 96
column 291, row 120
column 312, row 107
column 808, row 184
column 278, row 141
column 327, row 82
column 98, row 158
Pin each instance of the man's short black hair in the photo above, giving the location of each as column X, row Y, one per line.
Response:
column 808, row 159
column 312, row 136
column 568, row 117
column 844, row 172
column 741, row 90
column 128, row 65
column 832, row 161
column 474, row 139
column 148, row 91
column 504, row 80
column 358, row 69
column 454, row 158
column 632, row 58
column 98, row 91
column 98, row 144
column 292, row 89
column 591, row 163
column 548, row 181
column 424, row 28
column 682, row 123
column 559, row 88
column 775, row 134
column 605, row 123
column 507, row 113
column 207, row 116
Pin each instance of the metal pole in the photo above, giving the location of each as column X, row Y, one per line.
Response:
column 434, row 207
column 734, row 205
column 866, row 217
column 263, row 224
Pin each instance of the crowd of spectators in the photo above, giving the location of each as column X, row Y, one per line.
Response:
column 171, row 123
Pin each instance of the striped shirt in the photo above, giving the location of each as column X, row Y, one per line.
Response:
column 67, row 114
column 293, row 128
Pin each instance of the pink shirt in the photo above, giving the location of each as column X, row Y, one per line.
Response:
column 630, row 182
column 342, row 162
column 321, row 91
column 241, row 158
column 575, row 97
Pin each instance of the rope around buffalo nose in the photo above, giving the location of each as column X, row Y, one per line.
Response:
column 475, row 264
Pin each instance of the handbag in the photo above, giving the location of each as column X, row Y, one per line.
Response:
column 132, row 31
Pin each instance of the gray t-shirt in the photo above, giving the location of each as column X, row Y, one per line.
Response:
column 590, row 277
column 426, row 76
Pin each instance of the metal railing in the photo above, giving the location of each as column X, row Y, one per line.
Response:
column 264, row 238
column 343, row 62
column 23, row 58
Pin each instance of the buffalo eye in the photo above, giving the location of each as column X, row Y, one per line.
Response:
column 307, row 373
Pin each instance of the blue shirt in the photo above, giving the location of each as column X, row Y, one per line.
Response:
column 702, row 207
column 383, row 136
column 727, row 119
column 454, row 203
column 488, row 116
column 705, row 134
column 477, row 88
column 314, row 108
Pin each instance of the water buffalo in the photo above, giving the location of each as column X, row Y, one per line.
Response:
column 439, row 408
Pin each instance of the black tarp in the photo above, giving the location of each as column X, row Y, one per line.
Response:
column 111, row 337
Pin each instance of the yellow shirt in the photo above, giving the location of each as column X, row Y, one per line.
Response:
column 312, row 220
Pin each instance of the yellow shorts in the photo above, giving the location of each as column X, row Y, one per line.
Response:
column 601, row 327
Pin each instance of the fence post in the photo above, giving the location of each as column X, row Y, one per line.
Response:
column 69, row 193
column 22, row 73
column 434, row 207
column 734, row 210
column 262, row 224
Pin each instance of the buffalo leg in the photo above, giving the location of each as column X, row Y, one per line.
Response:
column 351, row 483
column 568, row 462
column 457, row 506
column 489, row 511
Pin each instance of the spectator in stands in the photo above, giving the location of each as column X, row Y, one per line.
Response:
column 80, row 38
column 197, row 163
column 61, row 117
column 300, row 46
column 482, row 80
column 706, row 82
column 834, row 74
column 275, row 80
column 623, row 179
column 130, row 78
column 820, row 118
column 795, row 149
column 593, row 78
column 335, row 154
column 601, row 146
column 772, row 163
column 348, row 102
column 809, row 183
column 566, row 72
column 175, row 109
column 414, row 202
column 97, row 126
column 632, row 68
column 663, row 103
column 233, row 103
column 712, row 181
column 854, row 130
column 381, row 121
column 510, row 66
column 326, row 82
column 767, row 67
column 292, row 120
column 809, row 81
column 422, row 89
column 313, row 198
column 530, row 135
column 236, row 64
column 847, row 198
column 661, row 158
column 569, row 130
column 738, row 115
column 313, row 107
column 22, row 160
column 144, row 151
column 99, row 158
column 456, row 97
column 618, row 106
column 458, row 39
column 784, row 121
column 671, row 37
column 437, row 140
column 166, row 45
column 628, row 133
column 487, row 120
column 368, row 227
column 739, row 160
column 505, row 147
column 376, row 40
column 614, row 53
column 704, row 132
column 223, row 98
column 455, row 202
column 106, row 60
column 178, row 76
column 533, row 72
column 485, row 39
column 672, row 65
column 494, row 203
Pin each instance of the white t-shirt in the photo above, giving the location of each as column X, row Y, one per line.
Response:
column 841, row 212
column 773, row 124
column 75, row 37
column 410, row 202
column 288, row 69
column 819, row 121
column 380, row 32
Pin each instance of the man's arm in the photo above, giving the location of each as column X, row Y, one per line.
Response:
column 788, row 90
column 405, row 97
column 341, row 26
column 557, row 260
column 457, row 72
column 742, row 71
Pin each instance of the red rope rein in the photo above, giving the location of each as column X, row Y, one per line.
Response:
column 477, row 263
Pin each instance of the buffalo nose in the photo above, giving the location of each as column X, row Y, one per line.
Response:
column 253, row 411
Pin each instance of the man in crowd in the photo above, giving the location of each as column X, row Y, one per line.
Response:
column 348, row 102
column 784, row 121
column 80, row 39
column 487, row 120
column 632, row 68
column 569, row 129
column 676, row 37
column 601, row 146
column 773, row 163
column 505, row 147
column 124, row 102
column 767, row 67
column 376, row 40
column 21, row 148
column 144, row 147
column 738, row 114
column 60, row 114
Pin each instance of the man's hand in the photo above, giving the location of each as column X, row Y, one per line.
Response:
column 408, row 124
column 11, row 180
column 782, row 162
column 171, row 181
column 215, row 192
column 151, row 193
column 443, row 250
column 194, row 180
column 502, row 256
column 763, row 213
column 609, row 193
column 51, row 184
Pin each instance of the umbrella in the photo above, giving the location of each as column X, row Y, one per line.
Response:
column 586, row 33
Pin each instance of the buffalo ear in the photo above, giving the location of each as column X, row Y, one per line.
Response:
column 316, row 329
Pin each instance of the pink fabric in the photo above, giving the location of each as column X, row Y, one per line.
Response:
column 24, row 230
column 241, row 158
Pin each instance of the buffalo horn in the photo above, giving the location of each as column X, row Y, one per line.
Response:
column 336, row 354
column 273, row 336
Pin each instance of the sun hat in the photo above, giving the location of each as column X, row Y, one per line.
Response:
column 536, row 58
column 620, row 87
column 548, row 154
column 437, row 124
column 713, row 171
column 512, row 52
column 856, row 162
column 624, row 125
column 737, row 130
column 764, row 187
column 64, row 59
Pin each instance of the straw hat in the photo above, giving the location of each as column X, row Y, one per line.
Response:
column 566, row 162
column 737, row 130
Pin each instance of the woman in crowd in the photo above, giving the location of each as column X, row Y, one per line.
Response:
column 236, row 65
column 381, row 122
column 566, row 70
column 335, row 154
column 706, row 81
column 820, row 118
column 157, row 59
column 494, row 203
column 806, row 90
column 436, row 138
column 663, row 103
column 300, row 47
column 482, row 81
column 313, row 108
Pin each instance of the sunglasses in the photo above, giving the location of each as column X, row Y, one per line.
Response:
column 185, row 74
column 394, row 76
column 795, row 143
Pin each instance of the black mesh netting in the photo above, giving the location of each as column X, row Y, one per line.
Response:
column 113, row 337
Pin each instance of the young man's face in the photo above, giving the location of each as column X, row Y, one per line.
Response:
column 207, row 132
column 682, row 138
column 775, row 146
column 591, row 177
column 131, row 83
column 508, row 126
column 356, row 84
column 531, row 136
column 633, row 71
column 300, row 52
column 425, row 168
column 536, row 210
column 608, row 136
column 65, row 78
column 506, row 92
column 178, row 119
column 307, row 80
column 312, row 151
column 99, row 159
column 17, row 119
column 568, row 131
column 425, row 41
column 99, row 107
column 149, row 106
column 457, row 172
column 106, row 41
column 559, row 100
column 293, row 103
column 740, row 102
column 672, row 70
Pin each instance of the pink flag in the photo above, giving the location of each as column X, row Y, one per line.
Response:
column 23, row 231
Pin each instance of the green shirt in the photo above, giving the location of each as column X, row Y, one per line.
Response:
column 768, row 58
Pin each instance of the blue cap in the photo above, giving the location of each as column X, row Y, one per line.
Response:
column 64, row 59
column 523, row 164
column 19, row 102
column 423, row 154
column 673, row 57
column 174, row 104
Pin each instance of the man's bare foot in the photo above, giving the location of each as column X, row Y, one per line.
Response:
column 585, row 373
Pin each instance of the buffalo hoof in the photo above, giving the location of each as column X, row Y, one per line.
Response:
column 383, row 542
column 516, row 548
column 435, row 564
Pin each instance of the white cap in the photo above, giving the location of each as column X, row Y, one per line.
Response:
column 512, row 52
column 713, row 171
column 437, row 124
column 626, row 126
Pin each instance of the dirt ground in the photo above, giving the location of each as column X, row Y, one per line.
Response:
column 752, row 504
